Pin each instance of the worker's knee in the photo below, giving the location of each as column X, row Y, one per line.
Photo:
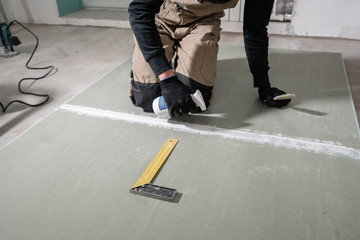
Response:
column 206, row 91
column 143, row 94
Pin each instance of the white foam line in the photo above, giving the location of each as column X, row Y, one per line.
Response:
column 257, row 138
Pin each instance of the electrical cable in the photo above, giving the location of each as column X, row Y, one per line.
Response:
column 51, row 68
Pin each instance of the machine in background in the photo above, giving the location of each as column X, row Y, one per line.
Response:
column 7, row 42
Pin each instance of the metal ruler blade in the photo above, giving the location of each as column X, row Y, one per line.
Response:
column 156, row 163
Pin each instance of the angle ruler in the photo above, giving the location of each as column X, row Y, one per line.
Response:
column 143, row 185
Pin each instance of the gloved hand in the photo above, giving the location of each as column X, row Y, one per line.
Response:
column 267, row 94
column 177, row 97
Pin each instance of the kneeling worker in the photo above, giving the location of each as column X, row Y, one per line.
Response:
column 190, row 31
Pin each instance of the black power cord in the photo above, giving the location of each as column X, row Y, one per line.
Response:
column 51, row 68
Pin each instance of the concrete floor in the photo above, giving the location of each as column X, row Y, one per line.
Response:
column 84, row 54
column 243, row 170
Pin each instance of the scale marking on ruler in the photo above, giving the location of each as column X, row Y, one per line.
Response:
column 143, row 185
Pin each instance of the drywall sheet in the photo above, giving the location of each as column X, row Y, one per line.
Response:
column 318, row 113
column 243, row 171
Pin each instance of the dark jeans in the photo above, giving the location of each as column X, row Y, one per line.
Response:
column 256, row 18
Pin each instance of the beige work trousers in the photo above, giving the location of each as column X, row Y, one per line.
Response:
column 193, row 50
column 196, row 49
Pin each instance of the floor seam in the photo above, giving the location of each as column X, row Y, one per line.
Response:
column 250, row 137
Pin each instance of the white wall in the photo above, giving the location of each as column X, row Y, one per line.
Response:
column 34, row 11
column 46, row 12
column 328, row 18
column 4, row 8
column 325, row 18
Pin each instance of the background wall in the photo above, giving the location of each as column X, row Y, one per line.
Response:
column 324, row 18
column 107, row 3
column 34, row 11
column 327, row 18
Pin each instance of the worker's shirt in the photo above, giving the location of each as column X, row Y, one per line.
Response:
column 172, row 12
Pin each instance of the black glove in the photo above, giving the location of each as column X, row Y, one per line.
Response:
column 177, row 97
column 267, row 94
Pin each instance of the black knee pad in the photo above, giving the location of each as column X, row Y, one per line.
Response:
column 143, row 94
column 206, row 91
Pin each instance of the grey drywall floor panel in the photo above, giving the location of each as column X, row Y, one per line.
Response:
column 318, row 113
column 69, row 176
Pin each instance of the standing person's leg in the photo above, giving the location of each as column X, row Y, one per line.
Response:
column 256, row 18
column 144, row 85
